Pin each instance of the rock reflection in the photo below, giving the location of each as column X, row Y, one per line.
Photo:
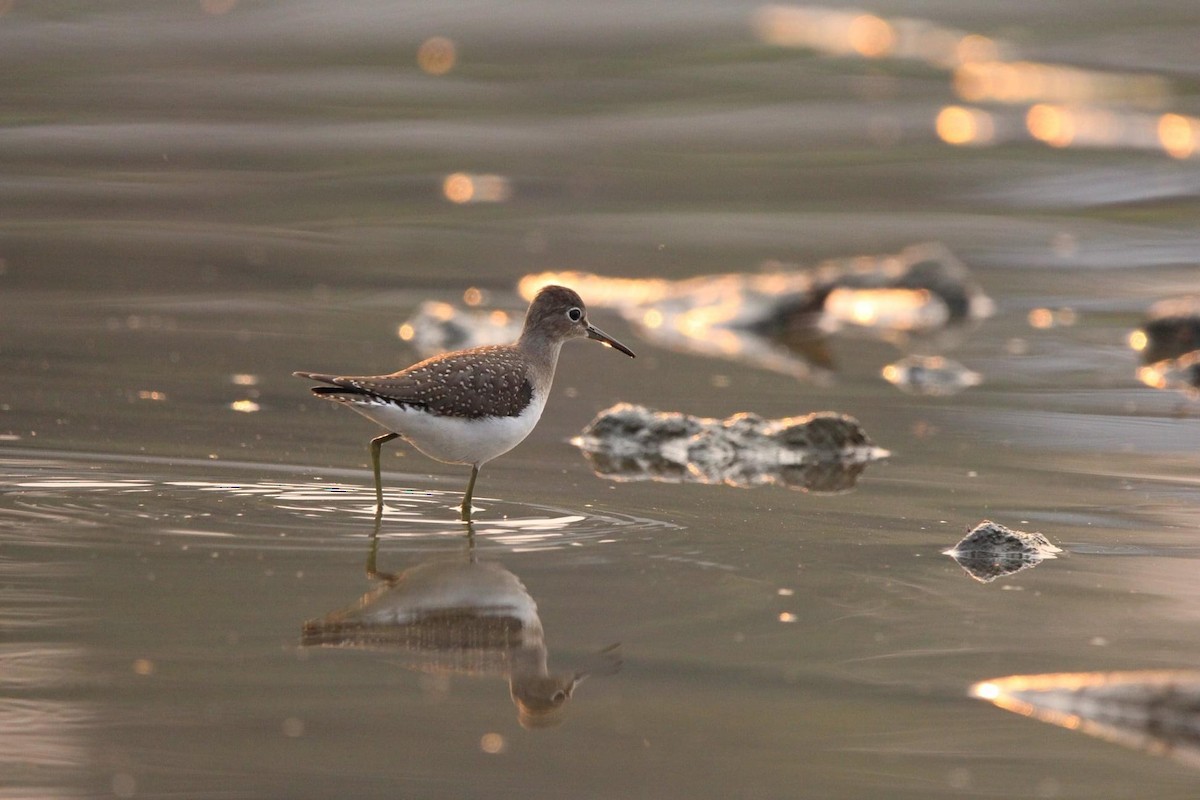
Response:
column 991, row 551
column 780, row 320
column 459, row 615
column 1154, row 711
column 1169, row 346
column 823, row 452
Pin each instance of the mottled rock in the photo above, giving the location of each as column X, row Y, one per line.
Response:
column 990, row 550
column 1168, row 344
column 780, row 318
column 820, row 452
column 1175, row 374
column 440, row 327
column 930, row 376
column 1171, row 329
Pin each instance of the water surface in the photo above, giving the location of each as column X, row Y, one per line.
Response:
column 199, row 198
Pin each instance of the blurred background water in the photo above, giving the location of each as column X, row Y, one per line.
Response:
column 197, row 198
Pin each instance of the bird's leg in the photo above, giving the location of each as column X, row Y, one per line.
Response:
column 471, row 542
column 376, row 445
column 372, row 571
column 466, row 505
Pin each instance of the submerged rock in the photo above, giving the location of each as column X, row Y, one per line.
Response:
column 990, row 550
column 1179, row 374
column 930, row 376
column 779, row 319
column 822, row 452
column 1169, row 346
column 1171, row 329
column 924, row 286
column 440, row 327
column 1154, row 711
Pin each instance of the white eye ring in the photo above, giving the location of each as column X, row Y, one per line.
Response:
column 575, row 313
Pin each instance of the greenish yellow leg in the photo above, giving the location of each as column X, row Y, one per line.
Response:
column 372, row 572
column 466, row 506
column 376, row 445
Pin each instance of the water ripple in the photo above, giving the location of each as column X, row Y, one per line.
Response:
column 61, row 503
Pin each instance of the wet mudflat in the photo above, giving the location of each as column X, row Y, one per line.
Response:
column 198, row 201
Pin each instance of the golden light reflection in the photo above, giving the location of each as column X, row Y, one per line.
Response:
column 707, row 323
column 1050, row 124
column 974, row 47
column 458, row 188
column 652, row 319
column 473, row 296
column 856, row 33
column 894, row 309
column 498, row 317
column 985, row 691
column 245, row 406
column 1151, row 710
column 149, row 394
column 1041, row 318
column 1045, row 318
column 962, row 126
column 1179, row 374
column 406, row 332
column 243, row 379
column 1178, row 135
column 601, row 292
column 1071, row 106
column 1012, row 82
column 444, row 312
column 437, row 55
column 462, row 188
column 1138, row 340
column 870, row 36
column 491, row 743
column 1153, row 375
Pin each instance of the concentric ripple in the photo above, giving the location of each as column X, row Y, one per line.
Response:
column 81, row 502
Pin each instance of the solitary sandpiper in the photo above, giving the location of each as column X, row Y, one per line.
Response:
column 469, row 406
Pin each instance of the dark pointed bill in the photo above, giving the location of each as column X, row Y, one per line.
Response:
column 600, row 336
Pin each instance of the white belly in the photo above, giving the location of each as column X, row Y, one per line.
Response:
column 455, row 440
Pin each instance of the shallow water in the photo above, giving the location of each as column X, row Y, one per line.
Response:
column 199, row 198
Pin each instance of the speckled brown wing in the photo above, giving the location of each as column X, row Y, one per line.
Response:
column 481, row 382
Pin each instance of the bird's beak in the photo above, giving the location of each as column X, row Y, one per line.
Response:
column 600, row 336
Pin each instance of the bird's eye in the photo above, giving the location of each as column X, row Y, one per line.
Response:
column 575, row 314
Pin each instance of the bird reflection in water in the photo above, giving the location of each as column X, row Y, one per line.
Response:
column 459, row 615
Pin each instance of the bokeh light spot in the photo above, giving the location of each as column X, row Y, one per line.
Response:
column 437, row 55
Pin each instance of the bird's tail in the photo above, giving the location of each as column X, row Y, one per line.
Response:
column 337, row 390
